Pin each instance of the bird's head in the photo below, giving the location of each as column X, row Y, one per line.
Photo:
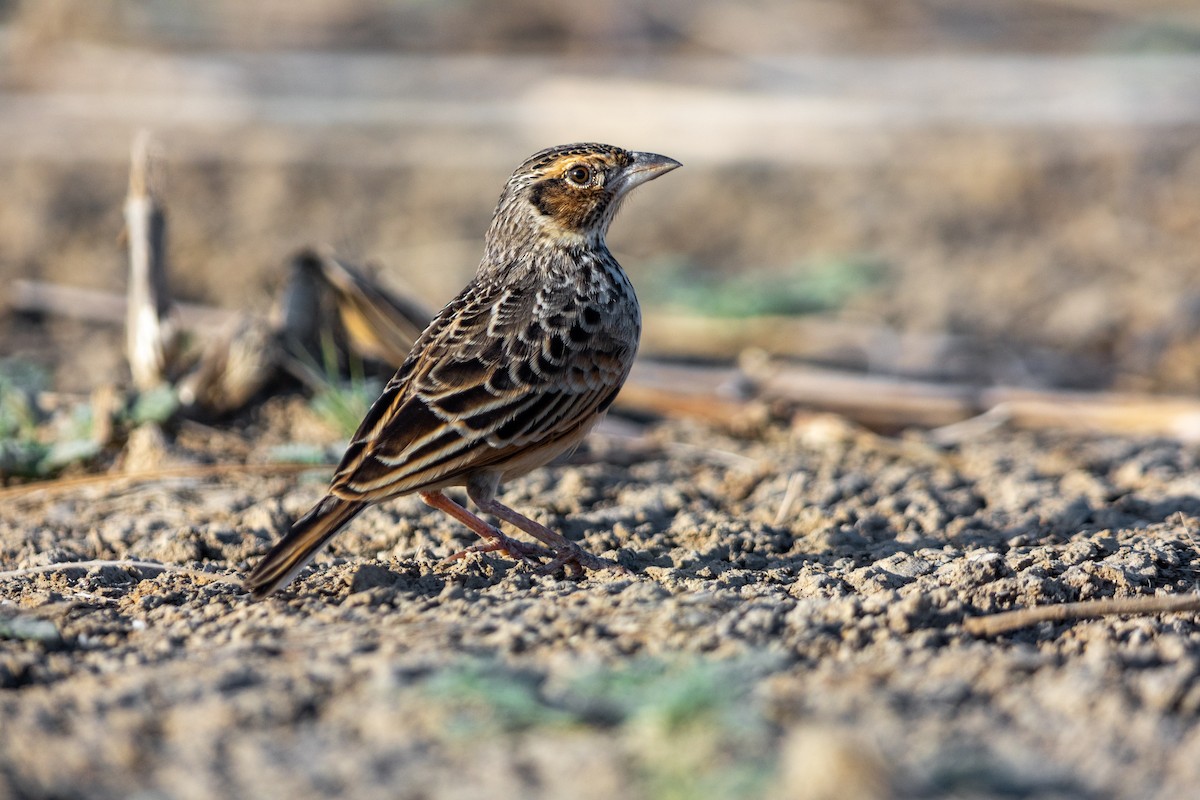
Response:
column 570, row 193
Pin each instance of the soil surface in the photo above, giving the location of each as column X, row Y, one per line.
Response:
column 791, row 625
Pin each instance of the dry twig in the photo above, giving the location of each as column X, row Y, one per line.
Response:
column 729, row 395
column 234, row 367
column 791, row 494
column 95, row 305
column 150, row 334
column 205, row 471
column 1008, row 621
column 374, row 323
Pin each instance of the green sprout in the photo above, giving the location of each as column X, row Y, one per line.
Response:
column 822, row 285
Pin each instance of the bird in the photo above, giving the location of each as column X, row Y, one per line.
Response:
column 510, row 374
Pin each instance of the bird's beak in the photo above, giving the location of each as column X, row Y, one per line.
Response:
column 645, row 167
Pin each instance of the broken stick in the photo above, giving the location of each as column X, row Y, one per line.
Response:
column 1008, row 621
column 150, row 335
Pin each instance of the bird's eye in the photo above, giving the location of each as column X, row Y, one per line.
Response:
column 580, row 175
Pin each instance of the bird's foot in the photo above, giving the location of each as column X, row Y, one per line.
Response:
column 576, row 561
column 499, row 543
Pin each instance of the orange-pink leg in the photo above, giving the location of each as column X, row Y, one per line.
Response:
column 494, row 539
column 566, row 553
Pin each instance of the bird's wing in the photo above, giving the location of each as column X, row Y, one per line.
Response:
column 501, row 370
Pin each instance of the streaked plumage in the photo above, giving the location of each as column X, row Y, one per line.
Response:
column 510, row 374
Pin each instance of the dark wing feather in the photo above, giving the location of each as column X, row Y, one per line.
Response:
column 487, row 380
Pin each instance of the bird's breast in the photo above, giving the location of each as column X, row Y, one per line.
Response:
column 608, row 301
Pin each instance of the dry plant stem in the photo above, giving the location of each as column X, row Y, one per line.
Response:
column 207, row 471
column 380, row 324
column 790, row 495
column 371, row 321
column 233, row 367
column 711, row 455
column 889, row 403
column 149, row 329
column 704, row 392
column 122, row 564
column 1009, row 621
column 95, row 305
column 687, row 404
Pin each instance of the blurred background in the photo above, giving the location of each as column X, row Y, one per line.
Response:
column 1023, row 178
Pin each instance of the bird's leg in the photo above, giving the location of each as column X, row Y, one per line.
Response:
column 566, row 553
column 495, row 540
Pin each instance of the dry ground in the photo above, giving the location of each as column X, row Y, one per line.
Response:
column 791, row 627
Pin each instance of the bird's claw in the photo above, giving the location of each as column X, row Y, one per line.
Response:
column 577, row 561
column 519, row 551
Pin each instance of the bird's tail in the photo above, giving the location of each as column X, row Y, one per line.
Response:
column 300, row 544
